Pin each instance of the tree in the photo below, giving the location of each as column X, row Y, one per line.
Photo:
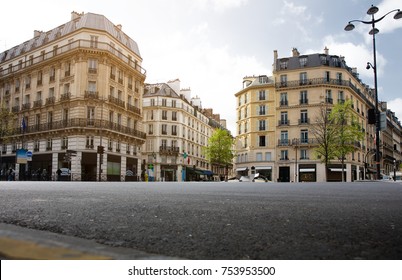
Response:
column 6, row 125
column 348, row 131
column 219, row 150
column 325, row 134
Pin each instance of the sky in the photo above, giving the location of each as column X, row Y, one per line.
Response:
column 210, row 45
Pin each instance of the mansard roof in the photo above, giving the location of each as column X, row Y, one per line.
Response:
column 161, row 89
column 82, row 21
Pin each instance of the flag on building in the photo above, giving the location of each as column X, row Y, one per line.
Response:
column 23, row 125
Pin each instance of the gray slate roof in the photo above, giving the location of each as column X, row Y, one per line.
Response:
column 88, row 20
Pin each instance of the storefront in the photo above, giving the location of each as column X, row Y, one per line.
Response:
column 265, row 171
column 307, row 173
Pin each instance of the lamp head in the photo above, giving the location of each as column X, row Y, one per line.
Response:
column 373, row 9
column 349, row 27
column 398, row 15
column 368, row 65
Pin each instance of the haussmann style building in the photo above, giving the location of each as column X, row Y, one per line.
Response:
column 76, row 94
column 276, row 116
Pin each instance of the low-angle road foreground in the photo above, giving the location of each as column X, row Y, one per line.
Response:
column 217, row 220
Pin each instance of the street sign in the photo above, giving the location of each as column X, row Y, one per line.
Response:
column 29, row 156
column 72, row 153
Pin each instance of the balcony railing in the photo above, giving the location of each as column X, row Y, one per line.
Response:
column 297, row 142
column 82, row 123
column 304, row 121
column 91, row 94
column 134, row 109
column 70, row 47
column 117, row 101
column 168, row 150
column 323, row 82
column 283, row 122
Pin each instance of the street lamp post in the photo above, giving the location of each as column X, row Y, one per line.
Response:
column 373, row 10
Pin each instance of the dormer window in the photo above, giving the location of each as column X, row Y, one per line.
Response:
column 303, row 61
column 283, row 64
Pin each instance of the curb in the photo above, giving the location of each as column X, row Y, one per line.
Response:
column 19, row 243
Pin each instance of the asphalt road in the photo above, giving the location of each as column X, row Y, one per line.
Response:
column 217, row 220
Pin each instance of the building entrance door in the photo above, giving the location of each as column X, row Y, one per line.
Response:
column 284, row 174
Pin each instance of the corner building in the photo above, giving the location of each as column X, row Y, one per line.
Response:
column 77, row 87
column 300, row 86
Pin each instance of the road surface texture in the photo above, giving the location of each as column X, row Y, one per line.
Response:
column 217, row 220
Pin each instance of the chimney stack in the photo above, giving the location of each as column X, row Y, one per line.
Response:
column 295, row 52
column 326, row 50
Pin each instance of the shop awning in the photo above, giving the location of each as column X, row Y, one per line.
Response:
column 241, row 169
column 337, row 169
column 207, row 172
column 263, row 167
column 307, row 170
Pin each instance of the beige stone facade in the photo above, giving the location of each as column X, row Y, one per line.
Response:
column 301, row 85
column 77, row 87
column 177, row 130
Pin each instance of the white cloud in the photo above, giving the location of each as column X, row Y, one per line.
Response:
column 395, row 105
column 219, row 5
column 355, row 56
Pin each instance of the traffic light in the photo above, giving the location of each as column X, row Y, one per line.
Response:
column 101, row 150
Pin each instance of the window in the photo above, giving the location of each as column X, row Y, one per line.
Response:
column 112, row 72
column 328, row 96
column 174, row 116
column 283, row 64
column 67, row 69
column 261, row 110
column 341, row 96
column 261, row 125
column 303, row 97
column 174, row 129
column 64, row 144
column 91, row 115
column 92, row 86
column 40, row 76
column 49, row 144
column 284, row 118
column 339, row 78
column 89, row 142
column 92, row 66
column 120, row 76
column 110, row 145
column 164, row 129
column 284, row 80
column 303, row 117
column 164, row 115
column 258, row 156
column 304, row 136
column 52, row 74
column 303, row 61
column 261, row 95
column 268, row 156
column 130, row 82
column 284, row 155
column 94, row 41
column 327, row 76
column 303, row 78
column 261, row 141
column 28, row 82
column 284, row 138
column 303, row 154
column 284, row 99
column 174, row 104
column 66, row 89
column 164, row 102
column 151, row 129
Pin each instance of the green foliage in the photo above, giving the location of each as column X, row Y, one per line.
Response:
column 348, row 130
column 337, row 133
column 6, row 122
column 219, row 149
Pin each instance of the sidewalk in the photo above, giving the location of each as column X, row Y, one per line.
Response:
column 18, row 243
